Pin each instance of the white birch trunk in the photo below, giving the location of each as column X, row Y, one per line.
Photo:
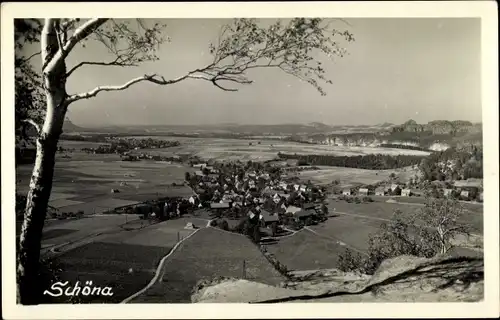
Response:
column 29, row 290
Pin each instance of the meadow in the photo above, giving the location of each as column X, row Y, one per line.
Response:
column 124, row 260
column 306, row 250
column 261, row 150
column 351, row 177
column 85, row 181
column 207, row 254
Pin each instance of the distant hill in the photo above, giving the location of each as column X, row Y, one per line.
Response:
column 439, row 127
column 69, row 126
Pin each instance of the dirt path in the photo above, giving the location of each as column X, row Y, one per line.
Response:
column 160, row 268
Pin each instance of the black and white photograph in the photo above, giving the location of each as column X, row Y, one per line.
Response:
column 251, row 157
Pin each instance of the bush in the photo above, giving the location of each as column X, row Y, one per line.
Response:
column 367, row 199
column 309, row 221
column 402, row 236
column 62, row 216
column 224, row 225
column 349, row 261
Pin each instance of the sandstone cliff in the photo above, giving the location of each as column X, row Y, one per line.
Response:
column 401, row 279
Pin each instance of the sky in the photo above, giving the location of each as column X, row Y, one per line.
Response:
column 397, row 69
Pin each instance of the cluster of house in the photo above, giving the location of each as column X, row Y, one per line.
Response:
column 466, row 194
column 256, row 193
column 391, row 190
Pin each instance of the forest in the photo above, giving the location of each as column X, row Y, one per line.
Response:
column 453, row 164
column 372, row 161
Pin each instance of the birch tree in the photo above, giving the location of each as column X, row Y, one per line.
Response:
column 241, row 45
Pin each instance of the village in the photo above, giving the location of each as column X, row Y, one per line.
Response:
column 265, row 195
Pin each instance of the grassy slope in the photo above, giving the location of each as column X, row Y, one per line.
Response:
column 207, row 254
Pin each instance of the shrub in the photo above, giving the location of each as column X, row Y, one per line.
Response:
column 349, row 261
column 309, row 221
column 62, row 216
column 224, row 225
column 439, row 223
column 367, row 199
column 256, row 234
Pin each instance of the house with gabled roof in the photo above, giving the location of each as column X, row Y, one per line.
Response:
column 304, row 214
column 267, row 218
column 292, row 209
column 347, row 191
column 308, row 206
column 380, row 191
column 220, row 205
column 464, row 194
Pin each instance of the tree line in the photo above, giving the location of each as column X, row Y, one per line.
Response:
column 371, row 161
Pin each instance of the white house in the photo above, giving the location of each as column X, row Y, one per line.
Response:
column 447, row 192
column 347, row 192
column 406, row 192
column 363, row 191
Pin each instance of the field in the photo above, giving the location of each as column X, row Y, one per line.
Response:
column 381, row 211
column 234, row 149
column 107, row 260
column 57, row 232
column 352, row 176
column 86, row 184
column 350, row 226
column 207, row 254
column 108, row 264
column 306, row 250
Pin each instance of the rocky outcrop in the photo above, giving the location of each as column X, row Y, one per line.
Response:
column 439, row 127
column 401, row 279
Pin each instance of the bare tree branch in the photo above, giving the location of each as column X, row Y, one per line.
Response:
column 80, row 33
column 100, row 63
column 33, row 55
column 33, row 123
column 162, row 81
